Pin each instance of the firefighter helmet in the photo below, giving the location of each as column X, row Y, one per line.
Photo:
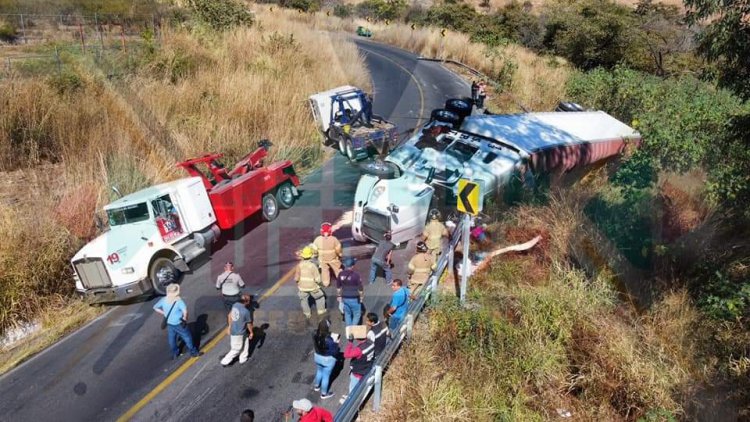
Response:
column 307, row 252
column 326, row 229
column 421, row 247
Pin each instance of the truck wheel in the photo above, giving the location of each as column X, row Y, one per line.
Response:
column 342, row 144
column 270, row 207
column 351, row 154
column 285, row 195
column 162, row 273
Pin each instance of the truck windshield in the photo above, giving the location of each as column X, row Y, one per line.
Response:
column 128, row 214
column 461, row 151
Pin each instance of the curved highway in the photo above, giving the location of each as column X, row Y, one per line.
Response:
column 118, row 367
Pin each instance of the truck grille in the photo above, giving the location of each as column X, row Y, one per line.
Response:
column 92, row 273
column 374, row 225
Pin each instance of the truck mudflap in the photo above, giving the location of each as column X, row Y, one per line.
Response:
column 117, row 293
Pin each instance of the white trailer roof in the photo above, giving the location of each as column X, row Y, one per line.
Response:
column 535, row 131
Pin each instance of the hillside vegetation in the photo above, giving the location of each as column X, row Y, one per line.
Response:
column 637, row 308
column 124, row 120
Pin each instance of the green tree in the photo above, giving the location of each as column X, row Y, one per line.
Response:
column 382, row 9
column 725, row 40
column 590, row 33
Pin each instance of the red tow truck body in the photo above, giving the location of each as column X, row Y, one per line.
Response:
column 237, row 194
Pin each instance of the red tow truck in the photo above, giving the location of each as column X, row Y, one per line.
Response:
column 155, row 232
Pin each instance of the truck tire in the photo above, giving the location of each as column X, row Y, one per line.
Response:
column 459, row 106
column 162, row 273
column 445, row 116
column 270, row 207
column 285, row 195
column 342, row 145
column 350, row 153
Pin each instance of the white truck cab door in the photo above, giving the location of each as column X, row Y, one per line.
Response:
column 413, row 205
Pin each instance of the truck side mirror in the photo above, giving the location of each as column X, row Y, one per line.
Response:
column 430, row 175
column 98, row 223
column 393, row 208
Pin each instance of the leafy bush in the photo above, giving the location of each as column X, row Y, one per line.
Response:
column 303, row 5
column 455, row 16
column 382, row 9
column 590, row 33
column 66, row 82
column 343, row 10
column 8, row 33
column 222, row 15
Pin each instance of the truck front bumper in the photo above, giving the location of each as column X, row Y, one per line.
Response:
column 117, row 293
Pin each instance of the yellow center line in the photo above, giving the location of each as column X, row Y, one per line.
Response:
column 416, row 82
column 190, row 362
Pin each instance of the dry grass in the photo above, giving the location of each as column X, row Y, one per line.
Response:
column 532, row 80
column 64, row 140
column 531, row 347
column 251, row 84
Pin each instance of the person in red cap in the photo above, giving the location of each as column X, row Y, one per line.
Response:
column 329, row 253
column 309, row 413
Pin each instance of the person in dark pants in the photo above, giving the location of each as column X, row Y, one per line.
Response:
column 399, row 305
column 481, row 94
column 381, row 258
column 230, row 283
column 173, row 308
column 350, row 292
column 474, row 89
column 377, row 333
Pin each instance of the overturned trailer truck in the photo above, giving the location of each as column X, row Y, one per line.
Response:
column 397, row 193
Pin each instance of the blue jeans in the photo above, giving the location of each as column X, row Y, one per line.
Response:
column 177, row 330
column 386, row 269
column 353, row 382
column 352, row 310
column 393, row 325
column 325, row 366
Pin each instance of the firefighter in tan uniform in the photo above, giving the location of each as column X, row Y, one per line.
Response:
column 433, row 234
column 308, row 283
column 329, row 253
column 421, row 266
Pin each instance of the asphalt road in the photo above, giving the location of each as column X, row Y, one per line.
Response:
column 120, row 364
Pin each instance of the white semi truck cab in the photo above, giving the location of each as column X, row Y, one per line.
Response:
column 397, row 193
column 152, row 233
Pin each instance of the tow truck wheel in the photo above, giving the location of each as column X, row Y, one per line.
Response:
column 350, row 153
column 285, row 195
column 270, row 207
column 342, row 144
column 162, row 273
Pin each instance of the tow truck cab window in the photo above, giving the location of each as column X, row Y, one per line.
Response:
column 128, row 214
column 461, row 151
column 163, row 206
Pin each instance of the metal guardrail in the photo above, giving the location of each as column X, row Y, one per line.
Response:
column 373, row 380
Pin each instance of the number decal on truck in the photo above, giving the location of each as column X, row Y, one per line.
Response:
column 113, row 258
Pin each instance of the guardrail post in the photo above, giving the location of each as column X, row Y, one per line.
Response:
column 409, row 325
column 378, row 388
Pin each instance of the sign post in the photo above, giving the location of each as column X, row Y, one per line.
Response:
column 470, row 203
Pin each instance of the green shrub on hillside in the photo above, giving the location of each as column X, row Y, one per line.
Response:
column 222, row 15
column 381, row 9
column 590, row 33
